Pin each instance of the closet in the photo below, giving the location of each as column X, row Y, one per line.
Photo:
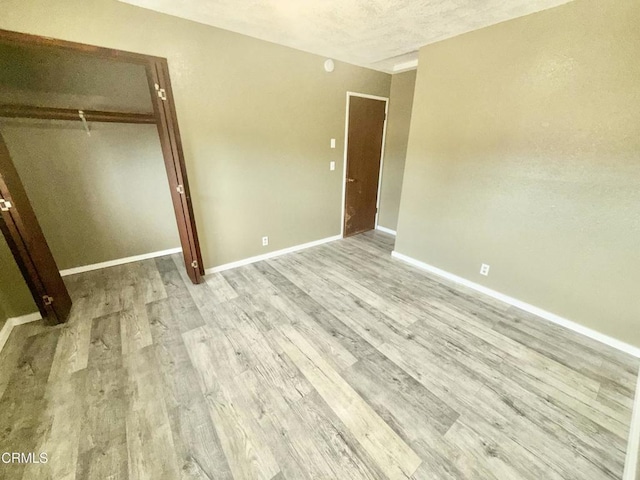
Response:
column 91, row 163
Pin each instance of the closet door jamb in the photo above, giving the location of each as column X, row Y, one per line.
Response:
column 164, row 108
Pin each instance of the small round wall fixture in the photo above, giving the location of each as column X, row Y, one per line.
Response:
column 329, row 66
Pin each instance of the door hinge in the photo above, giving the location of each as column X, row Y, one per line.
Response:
column 5, row 205
column 180, row 189
column 162, row 93
column 194, row 264
column 47, row 299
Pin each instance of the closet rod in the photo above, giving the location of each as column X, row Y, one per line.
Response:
column 47, row 113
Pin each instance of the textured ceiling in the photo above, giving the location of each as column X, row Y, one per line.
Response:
column 380, row 34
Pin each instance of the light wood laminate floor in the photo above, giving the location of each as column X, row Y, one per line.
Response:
column 336, row 362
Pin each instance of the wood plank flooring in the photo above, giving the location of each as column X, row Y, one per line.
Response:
column 336, row 362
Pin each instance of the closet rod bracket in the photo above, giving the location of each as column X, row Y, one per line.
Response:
column 84, row 122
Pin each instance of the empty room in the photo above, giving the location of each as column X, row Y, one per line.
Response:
column 321, row 239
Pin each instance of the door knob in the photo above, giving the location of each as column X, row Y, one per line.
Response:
column 351, row 180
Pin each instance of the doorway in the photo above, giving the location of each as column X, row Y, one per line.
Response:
column 364, row 145
column 18, row 222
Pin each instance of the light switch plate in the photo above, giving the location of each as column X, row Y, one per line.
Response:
column 333, row 143
column 332, row 165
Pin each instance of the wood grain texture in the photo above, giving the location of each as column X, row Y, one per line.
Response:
column 23, row 402
column 334, row 362
column 395, row 457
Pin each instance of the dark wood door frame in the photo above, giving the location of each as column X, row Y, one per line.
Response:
column 165, row 110
column 157, row 70
column 346, row 151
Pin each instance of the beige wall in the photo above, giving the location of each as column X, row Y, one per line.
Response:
column 395, row 151
column 524, row 154
column 15, row 298
column 99, row 197
column 255, row 118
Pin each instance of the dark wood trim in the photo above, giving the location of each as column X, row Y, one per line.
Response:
column 28, row 40
column 157, row 74
column 49, row 113
column 181, row 168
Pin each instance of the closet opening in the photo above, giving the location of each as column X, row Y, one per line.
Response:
column 84, row 134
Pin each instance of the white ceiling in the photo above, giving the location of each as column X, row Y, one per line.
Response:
column 380, row 34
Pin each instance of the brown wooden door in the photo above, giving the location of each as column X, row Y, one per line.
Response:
column 364, row 150
column 26, row 240
column 160, row 85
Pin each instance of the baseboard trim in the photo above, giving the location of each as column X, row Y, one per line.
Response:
column 552, row 317
column 633, row 445
column 119, row 261
column 386, row 230
column 266, row 256
column 14, row 322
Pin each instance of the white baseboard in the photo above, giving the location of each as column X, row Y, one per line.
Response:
column 633, row 445
column 28, row 318
column 14, row 322
column 552, row 317
column 266, row 256
column 386, row 230
column 119, row 261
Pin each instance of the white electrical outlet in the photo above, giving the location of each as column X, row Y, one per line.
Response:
column 333, row 143
column 265, row 241
column 484, row 269
column 332, row 166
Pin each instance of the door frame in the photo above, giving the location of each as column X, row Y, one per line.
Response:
column 164, row 111
column 346, row 151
